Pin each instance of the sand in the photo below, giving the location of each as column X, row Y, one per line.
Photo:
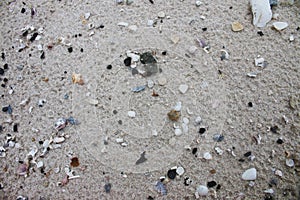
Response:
column 257, row 114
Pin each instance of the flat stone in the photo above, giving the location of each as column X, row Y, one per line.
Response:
column 119, row 140
column 279, row 26
column 236, row 27
column 178, row 132
column 183, row 88
column 202, row 190
column 150, row 83
column 58, row 140
column 207, row 156
column 175, row 39
column 250, row 174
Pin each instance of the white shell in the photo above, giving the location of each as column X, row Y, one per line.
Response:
column 279, row 26
column 262, row 12
column 58, row 140
column 250, row 174
column 178, row 132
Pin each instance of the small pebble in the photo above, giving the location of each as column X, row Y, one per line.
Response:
column 172, row 174
column 202, row 190
column 211, row 184
column 178, row 131
column 290, row 162
column 161, row 14
column 150, row 23
column 107, row 187
column 250, row 174
column 180, row 171
column 207, row 156
column 131, row 114
column 218, row 138
column 198, row 3
column 123, row 24
column 279, row 26
column 127, row 61
column 192, row 50
column 162, row 81
column 236, row 27
column 150, row 83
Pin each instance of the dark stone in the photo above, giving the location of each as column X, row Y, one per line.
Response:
column 1, row 71
column 164, row 53
column 109, row 67
column 204, row 29
column 279, row 141
column 194, row 151
column 25, row 33
column 250, row 104
column 241, row 160
column 211, row 184
column 187, row 181
column 1, row 128
column 141, row 159
column 218, row 186
column 70, row 49
column 202, row 130
column 101, row 26
column 5, row 66
column 3, row 55
column 248, row 154
column 268, row 197
column 134, row 71
column 42, row 55
column 107, row 187
column 150, row 198
column 5, row 80
column 15, row 127
column 3, row 85
column 172, row 174
column 115, row 112
column 274, row 129
column 23, row 10
column 260, row 33
column 33, row 37
column 127, row 61
column 81, row 50
column 4, row 109
column 147, row 58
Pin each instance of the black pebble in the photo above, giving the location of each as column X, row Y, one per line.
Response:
column 218, row 186
column 25, row 33
column 3, row 55
column 279, row 141
column 5, row 80
column 247, row 154
column 241, row 160
column 127, row 61
column 164, row 53
column 151, row 1
column 211, row 184
column 115, row 112
column 15, row 128
column 150, row 198
column 120, row 122
column 4, row 109
column 41, row 142
column 194, row 151
column 187, row 181
column 70, row 49
column 109, row 67
column 1, row 128
column 5, row 66
column 250, row 104
column 202, row 130
column 204, row 29
column 3, row 85
column 107, row 187
column 230, row 7
column 23, row 10
column 101, row 26
column 268, row 197
column 81, row 50
column 260, row 33
column 274, row 129
column 171, row 174
column 1, row 71
column 33, row 37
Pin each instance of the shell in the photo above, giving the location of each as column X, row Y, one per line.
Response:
column 279, row 26
column 262, row 12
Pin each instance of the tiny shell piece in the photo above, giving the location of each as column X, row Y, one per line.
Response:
column 58, row 140
column 262, row 12
column 77, row 78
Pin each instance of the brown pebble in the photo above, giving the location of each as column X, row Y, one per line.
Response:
column 174, row 115
column 236, row 26
column 74, row 162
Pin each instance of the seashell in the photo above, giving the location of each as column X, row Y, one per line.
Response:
column 279, row 26
column 262, row 12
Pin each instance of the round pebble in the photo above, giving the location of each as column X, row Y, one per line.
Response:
column 162, row 81
column 279, row 26
column 161, row 14
column 178, row 131
column 172, row 174
column 131, row 114
column 180, row 171
column 202, row 190
column 207, row 156
column 236, row 27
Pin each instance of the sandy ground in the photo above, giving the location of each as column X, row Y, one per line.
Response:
column 259, row 115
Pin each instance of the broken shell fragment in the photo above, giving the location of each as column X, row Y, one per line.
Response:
column 279, row 26
column 77, row 78
column 58, row 140
column 174, row 115
column 261, row 11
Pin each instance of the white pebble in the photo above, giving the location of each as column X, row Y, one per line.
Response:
column 178, row 132
column 162, row 81
column 250, row 174
column 40, row 164
column 292, row 38
column 124, row 24
column 198, row 120
column 185, row 120
column 150, row 83
column 154, row 133
column 183, row 88
column 161, row 14
column 58, row 140
column 202, row 190
column 269, row 191
column 87, row 16
column 278, row 173
column 198, row 3
column 259, row 62
column 185, row 128
column 192, row 50
column 207, row 156
column 150, row 23
column 290, row 162
column 119, row 140
column 180, row 171
column 131, row 114
column 219, row 150
column 133, row 27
